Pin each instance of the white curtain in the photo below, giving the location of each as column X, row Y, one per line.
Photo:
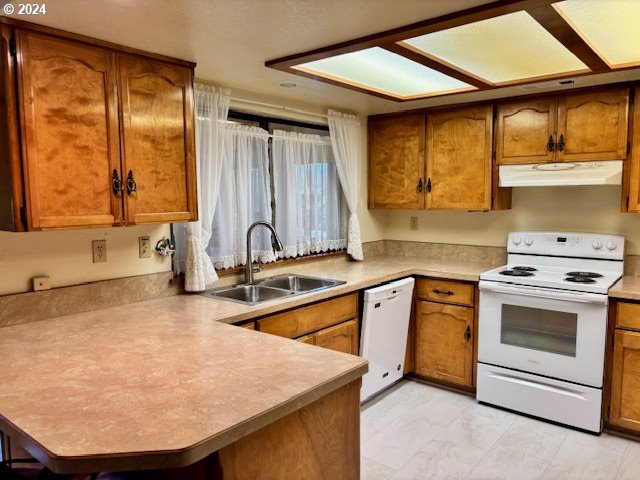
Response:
column 346, row 142
column 212, row 107
column 245, row 197
column 307, row 194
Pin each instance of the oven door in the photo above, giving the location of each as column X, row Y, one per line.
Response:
column 556, row 333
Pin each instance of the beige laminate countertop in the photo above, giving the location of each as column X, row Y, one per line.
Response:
column 164, row 383
column 627, row 288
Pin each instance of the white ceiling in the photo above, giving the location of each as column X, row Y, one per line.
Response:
column 231, row 39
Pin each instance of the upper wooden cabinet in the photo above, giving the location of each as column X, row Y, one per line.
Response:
column 396, row 161
column 580, row 127
column 632, row 175
column 459, row 162
column 96, row 134
column 456, row 173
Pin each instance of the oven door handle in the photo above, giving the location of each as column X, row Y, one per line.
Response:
column 579, row 297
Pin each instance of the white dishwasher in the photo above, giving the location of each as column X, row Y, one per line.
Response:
column 383, row 341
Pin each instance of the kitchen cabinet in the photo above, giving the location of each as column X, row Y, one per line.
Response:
column 96, row 134
column 444, row 331
column 624, row 404
column 397, row 161
column 459, row 159
column 456, row 171
column 565, row 128
column 330, row 324
column 632, row 172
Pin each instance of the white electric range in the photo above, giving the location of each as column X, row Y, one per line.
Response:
column 543, row 325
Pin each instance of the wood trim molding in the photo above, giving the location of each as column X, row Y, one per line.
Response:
column 556, row 25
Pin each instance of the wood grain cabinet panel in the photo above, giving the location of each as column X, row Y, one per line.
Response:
column 397, row 161
column 566, row 128
column 342, row 337
column 523, row 131
column 459, row 158
column 158, row 151
column 633, row 170
column 70, row 148
column 444, row 342
column 78, row 116
column 445, row 291
column 625, row 384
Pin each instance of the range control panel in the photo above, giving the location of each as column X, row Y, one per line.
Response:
column 563, row 244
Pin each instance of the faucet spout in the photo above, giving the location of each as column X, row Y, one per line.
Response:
column 276, row 244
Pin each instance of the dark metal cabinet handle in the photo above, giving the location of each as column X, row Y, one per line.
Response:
column 441, row 292
column 116, row 183
column 419, row 187
column 550, row 144
column 467, row 333
column 428, row 185
column 561, row 143
column 131, row 183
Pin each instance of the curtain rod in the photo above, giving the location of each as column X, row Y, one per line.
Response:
column 279, row 107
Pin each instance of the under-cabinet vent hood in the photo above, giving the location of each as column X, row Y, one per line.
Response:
column 566, row 173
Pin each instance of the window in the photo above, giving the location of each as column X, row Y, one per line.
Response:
column 282, row 172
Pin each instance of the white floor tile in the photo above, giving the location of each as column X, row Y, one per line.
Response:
column 630, row 467
column 433, row 465
column 503, row 463
column 538, row 438
column 372, row 470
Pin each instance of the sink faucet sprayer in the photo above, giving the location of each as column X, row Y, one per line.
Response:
column 249, row 268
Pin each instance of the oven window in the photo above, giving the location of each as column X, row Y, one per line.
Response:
column 544, row 330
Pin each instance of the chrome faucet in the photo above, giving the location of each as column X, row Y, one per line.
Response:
column 249, row 268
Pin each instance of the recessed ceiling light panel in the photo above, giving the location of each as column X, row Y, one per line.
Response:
column 610, row 27
column 501, row 50
column 382, row 71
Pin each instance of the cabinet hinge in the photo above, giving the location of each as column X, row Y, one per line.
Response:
column 23, row 216
column 12, row 47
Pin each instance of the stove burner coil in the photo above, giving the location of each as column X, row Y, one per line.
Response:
column 525, row 269
column 580, row 279
column 584, row 274
column 516, row 273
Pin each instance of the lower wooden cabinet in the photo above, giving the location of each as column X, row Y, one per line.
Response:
column 331, row 324
column 625, row 380
column 444, row 345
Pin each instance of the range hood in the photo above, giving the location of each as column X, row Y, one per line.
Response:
column 566, row 173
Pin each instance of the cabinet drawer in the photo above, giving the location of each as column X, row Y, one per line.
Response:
column 628, row 315
column 301, row 321
column 341, row 338
column 445, row 291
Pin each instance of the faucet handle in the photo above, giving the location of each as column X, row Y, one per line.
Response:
column 255, row 268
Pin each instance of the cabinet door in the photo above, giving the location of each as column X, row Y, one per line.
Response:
column 157, row 141
column 444, row 345
column 396, row 161
column 70, row 149
column 459, row 159
column 523, row 131
column 633, row 170
column 593, row 126
column 625, row 382
column 342, row 337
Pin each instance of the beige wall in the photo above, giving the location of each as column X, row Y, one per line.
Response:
column 580, row 209
column 66, row 256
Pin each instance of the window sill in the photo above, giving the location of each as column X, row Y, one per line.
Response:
column 285, row 262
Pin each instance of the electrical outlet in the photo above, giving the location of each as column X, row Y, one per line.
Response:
column 99, row 251
column 413, row 223
column 144, row 246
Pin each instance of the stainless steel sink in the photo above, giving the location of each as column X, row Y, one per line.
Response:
column 300, row 283
column 249, row 294
column 272, row 288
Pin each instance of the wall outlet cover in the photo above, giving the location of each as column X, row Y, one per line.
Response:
column 413, row 223
column 99, row 251
column 144, row 246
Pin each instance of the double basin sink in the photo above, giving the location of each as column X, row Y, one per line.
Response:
column 273, row 288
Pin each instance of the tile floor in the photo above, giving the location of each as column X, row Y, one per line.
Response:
column 416, row 431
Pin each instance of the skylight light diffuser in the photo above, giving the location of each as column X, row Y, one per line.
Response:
column 382, row 71
column 611, row 28
column 501, row 50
